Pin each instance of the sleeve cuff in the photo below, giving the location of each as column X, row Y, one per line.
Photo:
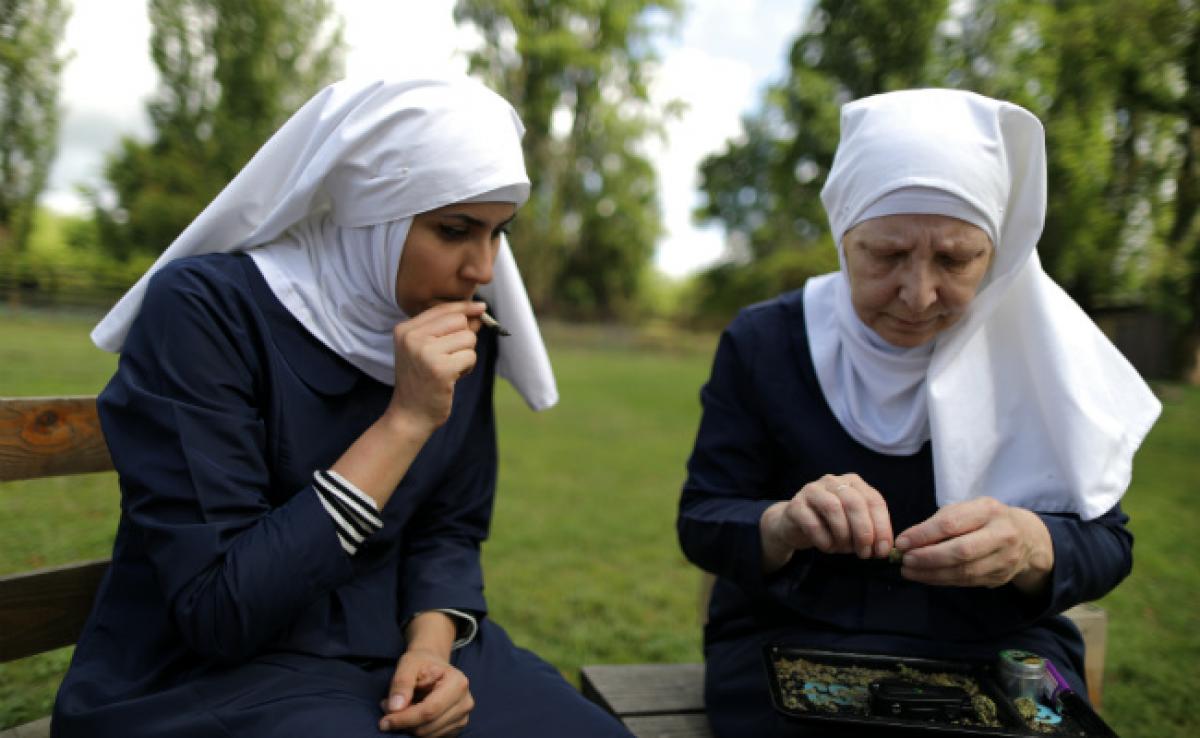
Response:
column 1060, row 592
column 466, row 625
column 748, row 552
column 354, row 513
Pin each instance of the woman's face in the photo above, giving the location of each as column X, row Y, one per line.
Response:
column 449, row 252
column 913, row 276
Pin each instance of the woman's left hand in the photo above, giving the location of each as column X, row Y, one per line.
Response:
column 979, row 543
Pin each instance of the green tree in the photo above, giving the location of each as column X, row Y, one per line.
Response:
column 231, row 72
column 765, row 187
column 30, row 67
column 577, row 72
column 1114, row 83
column 1060, row 61
column 1161, row 83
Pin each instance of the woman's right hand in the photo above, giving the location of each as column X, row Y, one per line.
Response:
column 429, row 697
column 433, row 351
column 834, row 514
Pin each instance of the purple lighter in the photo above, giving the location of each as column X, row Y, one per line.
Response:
column 1054, row 686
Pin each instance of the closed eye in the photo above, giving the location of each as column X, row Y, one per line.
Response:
column 889, row 257
column 453, row 233
column 957, row 262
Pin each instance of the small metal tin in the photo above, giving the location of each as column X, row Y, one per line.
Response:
column 908, row 699
column 1021, row 673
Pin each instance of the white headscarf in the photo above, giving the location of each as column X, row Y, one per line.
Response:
column 1025, row 400
column 325, row 207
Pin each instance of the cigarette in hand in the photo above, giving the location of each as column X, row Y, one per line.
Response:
column 491, row 322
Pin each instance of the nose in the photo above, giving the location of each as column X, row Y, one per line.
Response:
column 918, row 287
column 478, row 262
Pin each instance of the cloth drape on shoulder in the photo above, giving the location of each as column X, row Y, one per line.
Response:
column 325, row 205
column 1024, row 400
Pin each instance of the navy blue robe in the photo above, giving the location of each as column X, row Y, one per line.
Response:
column 766, row 431
column 230, row 607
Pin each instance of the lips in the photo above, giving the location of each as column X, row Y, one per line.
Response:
column 915, row 324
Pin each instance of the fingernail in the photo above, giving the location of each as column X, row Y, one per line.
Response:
column 881, row 548
column 902, row 542
column 384, row 724
column 864, row 552
column 396, row 703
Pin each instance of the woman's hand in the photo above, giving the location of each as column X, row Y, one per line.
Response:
column 979, row 543
column 429, row 697
column 433, row 351
column 835, row 514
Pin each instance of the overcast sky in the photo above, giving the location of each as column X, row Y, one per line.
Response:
column 717, row 63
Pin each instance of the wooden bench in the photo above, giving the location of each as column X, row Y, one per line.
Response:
column 45, row 609
column 659, row 700
column 667, row 700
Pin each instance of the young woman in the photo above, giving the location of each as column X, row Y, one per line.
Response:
column 302, row 424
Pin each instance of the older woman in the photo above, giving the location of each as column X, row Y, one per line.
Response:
column 939, row 395
column 302, row 424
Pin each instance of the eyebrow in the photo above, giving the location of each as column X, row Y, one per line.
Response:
column 476, row 222
column 889, row 243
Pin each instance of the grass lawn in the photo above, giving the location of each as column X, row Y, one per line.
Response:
column 583, row 565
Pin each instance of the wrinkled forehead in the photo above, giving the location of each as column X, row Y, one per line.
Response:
column 905, row 230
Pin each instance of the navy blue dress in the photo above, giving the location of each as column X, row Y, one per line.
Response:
column 230, row 608
column 766, row 431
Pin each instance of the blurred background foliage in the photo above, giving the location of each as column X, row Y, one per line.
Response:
column 1116, row 82
column 231, row 72
column 577, row 70
column 30, row 65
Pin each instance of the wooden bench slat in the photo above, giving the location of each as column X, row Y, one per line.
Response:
column 36, row 729
column 46, row 609
column 669, row 726
column 50, row 436
column 645, row 689
column 1092, row 621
